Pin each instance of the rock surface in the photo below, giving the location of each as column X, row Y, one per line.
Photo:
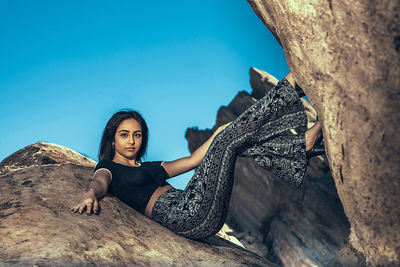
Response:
column 346, row 57
column 271, row 217
column 37, row 227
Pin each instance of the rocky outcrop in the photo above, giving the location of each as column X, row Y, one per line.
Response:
column 39, row 184
column 346, row 56
column 43, row 154
column 271, row 217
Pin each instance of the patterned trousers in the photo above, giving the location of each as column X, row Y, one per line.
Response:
column 261, row 132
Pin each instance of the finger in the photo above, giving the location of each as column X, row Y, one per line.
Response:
column 75, row 208
column 89, row 208
column 95, row 206
column 81, row 208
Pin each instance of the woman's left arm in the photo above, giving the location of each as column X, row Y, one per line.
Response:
column 188, row 163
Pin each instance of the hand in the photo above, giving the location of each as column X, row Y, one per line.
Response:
column 88, row 200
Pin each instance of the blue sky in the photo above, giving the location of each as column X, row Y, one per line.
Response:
column 67, row 66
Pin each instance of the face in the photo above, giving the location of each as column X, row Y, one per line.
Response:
column 127, row 139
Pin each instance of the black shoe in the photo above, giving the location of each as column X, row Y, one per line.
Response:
column 318, row 148
column 299, row 91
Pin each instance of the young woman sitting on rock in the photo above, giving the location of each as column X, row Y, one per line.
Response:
column 261, row 132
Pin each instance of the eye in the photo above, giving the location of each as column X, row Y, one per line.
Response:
column 124, row 135
column 138, row 135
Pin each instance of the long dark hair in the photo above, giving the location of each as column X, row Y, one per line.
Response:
column 106, row 150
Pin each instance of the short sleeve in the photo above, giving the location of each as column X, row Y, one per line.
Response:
column 160, row 173
column 104, row 165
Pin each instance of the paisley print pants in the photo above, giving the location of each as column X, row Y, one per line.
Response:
column 261, row 132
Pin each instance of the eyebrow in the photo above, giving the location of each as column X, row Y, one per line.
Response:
column 128, row 131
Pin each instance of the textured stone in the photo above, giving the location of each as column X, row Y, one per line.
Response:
column 37, row 226
column 273, row 218
column 346, row 57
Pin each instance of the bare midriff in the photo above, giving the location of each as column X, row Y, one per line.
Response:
column 159, row 191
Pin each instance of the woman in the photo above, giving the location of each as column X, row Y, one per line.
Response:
column 261, row 132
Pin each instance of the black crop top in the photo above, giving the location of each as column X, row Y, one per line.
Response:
column 134, row 185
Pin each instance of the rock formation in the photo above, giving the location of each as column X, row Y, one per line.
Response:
column 271, row 217
column 346, row 56
column 39, row 184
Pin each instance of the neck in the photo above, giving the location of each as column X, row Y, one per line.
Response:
column 125, row 161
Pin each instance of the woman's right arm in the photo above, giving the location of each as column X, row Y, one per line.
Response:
column 96, row 189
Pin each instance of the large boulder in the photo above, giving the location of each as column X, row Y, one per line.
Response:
column 291, row 227
column 38, row 228
column 346, row 57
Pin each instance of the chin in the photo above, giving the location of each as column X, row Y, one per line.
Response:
column 130, row 156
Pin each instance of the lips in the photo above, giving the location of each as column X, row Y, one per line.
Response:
column 130, row 148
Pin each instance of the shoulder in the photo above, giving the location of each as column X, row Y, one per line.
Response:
column 152, row 162
column 105, row 164
column 156, row 164
column 157, row 167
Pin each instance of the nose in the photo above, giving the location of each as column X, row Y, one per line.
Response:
column 131, row 140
